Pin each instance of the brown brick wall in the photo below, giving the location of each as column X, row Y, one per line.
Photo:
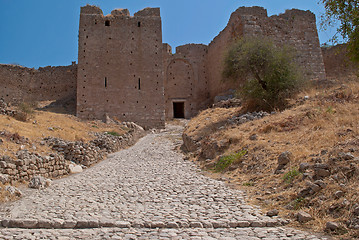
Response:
column 21, row 84
column 120, row 69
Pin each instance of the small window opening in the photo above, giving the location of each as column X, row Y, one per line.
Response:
column 105, row 82
column 139, row 84
column 139, row 24
column 107, row 23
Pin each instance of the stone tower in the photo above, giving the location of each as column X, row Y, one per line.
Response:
column 120, row 66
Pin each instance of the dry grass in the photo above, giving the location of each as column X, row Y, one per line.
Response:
column 327, row 121
column 44, row 124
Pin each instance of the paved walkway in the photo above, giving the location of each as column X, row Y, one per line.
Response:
column 145, row 192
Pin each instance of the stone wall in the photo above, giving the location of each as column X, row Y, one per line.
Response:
column 295, row 28
column 337, row 62
column 120, row 71
column 28, row 165
column 185, row 79
column 25, row 164
column 21, row 84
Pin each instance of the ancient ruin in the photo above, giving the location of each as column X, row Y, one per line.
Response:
column 125, row 72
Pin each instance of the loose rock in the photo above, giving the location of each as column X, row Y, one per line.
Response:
column 304, row 217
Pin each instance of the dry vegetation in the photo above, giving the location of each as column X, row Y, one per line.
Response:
column 315, row 130
column 43, row 124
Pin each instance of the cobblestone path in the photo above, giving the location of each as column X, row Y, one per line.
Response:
column 145, row 192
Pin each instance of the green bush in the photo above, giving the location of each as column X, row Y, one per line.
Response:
column 225, row 161
column 266, row 74
column 289, row 176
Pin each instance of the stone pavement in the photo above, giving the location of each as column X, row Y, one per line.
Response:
column 145, row 192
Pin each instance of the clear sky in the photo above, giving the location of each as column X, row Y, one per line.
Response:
column 37, row 33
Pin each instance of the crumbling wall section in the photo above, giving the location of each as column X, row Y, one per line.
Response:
column 295, row 28
column 21, row 84
column 120, row 71
column 186, row 79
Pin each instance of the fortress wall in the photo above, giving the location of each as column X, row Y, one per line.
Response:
column 337, row 62
column 21, row 84
column 120, row 71
column 298, row 29
column 295, row 28
column 186, row 79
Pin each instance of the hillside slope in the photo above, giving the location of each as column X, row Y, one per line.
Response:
column 304, row 159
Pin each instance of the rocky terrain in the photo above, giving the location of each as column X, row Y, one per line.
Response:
column 302, row 163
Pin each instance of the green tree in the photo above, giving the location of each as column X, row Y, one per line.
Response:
column 266, row 74
column 346, row 12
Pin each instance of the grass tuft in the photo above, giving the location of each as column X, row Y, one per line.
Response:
column 290, row 176
column 113, row 133
column 225, row 161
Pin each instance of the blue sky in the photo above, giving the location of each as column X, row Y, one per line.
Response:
column 37, row 33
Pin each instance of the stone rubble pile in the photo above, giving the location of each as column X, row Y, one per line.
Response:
column 39, row 182
column 233, row 102
column 4, row 109
column 96, row 150
column 78, row 152
column 243, row 118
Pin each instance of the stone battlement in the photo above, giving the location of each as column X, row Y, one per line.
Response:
column 94, row 10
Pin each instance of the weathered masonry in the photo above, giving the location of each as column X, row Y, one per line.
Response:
column 125, row 72
column 19, row 84
column 120, row 67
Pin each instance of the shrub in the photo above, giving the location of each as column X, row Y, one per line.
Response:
column 25, row 111
column 266, row 74
column 225, row 161
column 289, row 176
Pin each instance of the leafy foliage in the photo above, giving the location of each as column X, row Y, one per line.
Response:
column 225, row 161
column 266, row 73
column 346, row 12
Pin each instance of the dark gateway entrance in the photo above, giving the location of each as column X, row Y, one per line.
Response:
column 178, row 110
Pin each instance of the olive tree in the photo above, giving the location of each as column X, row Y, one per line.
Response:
column 266, row 74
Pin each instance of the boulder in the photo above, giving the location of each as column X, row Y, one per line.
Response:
column 284, row 158
column 272, row 213
column 339, row 194
column 13, row 191
column 304, row 217
column 39, row 182
column 4, row 178
column 75, row 168
column 332, row 226
column 346, row 156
